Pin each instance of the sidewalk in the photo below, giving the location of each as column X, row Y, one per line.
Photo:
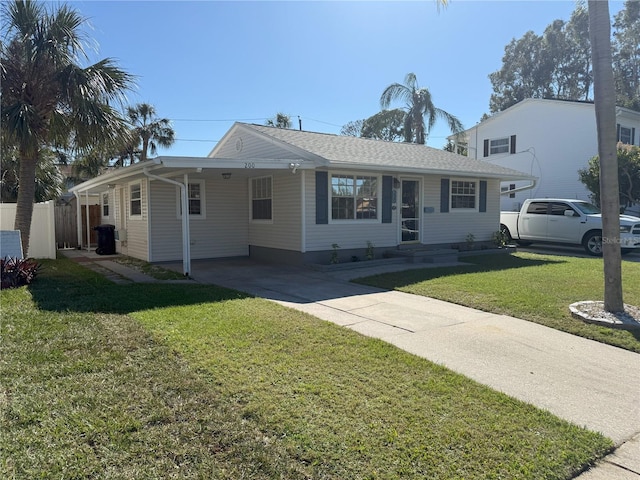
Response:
column 585, row 382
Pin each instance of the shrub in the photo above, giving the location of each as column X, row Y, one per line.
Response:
column 16, row 272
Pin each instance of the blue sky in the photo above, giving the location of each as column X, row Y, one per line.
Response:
column 206, row 64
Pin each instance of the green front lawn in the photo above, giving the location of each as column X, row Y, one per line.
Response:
column 192, row 381
column 530, row 286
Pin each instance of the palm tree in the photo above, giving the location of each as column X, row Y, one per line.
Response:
column 47, row 98
column 605, row 103
column 150, row 131
column 419, row 106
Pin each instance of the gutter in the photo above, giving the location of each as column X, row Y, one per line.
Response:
column 184, row 200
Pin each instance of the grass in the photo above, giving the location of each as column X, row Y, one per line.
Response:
column 534, row 287
column 191, row 381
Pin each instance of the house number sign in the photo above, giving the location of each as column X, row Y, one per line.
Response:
column 249, row 165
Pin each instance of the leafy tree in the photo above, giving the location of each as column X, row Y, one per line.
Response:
column 281, row 120
column 605, row 105
column 626, row 55
column 149, row 131
column 48, row 179
column 352, row 129
column 419, row 106
column 385, row 125
column 47, row 98
column 628, row 176
column 556, row 64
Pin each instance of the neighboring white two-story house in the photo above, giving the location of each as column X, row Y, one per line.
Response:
column 549, row 139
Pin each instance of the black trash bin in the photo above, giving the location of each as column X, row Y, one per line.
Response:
column 106, row 239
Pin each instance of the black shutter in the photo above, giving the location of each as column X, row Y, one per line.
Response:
column 633, row 136
column 617, row 132
column 513, row 144
column 444, row 195
column 483, row 196
column 387, row 193
column 322, row 197
column 486, row 148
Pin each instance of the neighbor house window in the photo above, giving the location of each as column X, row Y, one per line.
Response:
column 354, row 197
column 499, row 145
column 105, row 204
column 625, row 135
column 135, row 199
column 463, row 194
column 261, row 198
column 510, row 189
column 195, row 199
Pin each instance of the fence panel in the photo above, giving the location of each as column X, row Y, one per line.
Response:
column 42, row 241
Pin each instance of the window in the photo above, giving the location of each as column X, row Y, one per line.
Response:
column 538, row 208
column 354, row 197
column 105, row 204
column 195, row 199
column 135, row 199
column 510, row 188
column 499, row 145
column 624, row 135
column 195, row 204
column 559, row 208
column 261, row 198
column 463, row 194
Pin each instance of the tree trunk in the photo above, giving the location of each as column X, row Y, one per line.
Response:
column 605, row 98
column 26, row 196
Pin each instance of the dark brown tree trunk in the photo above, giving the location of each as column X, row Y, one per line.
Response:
column 26, row 196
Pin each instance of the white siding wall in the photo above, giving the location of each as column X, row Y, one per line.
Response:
column 347, row 234
column 436, row 227
column 453, row 227
column 242, row 144
column 222, row 233
column 554, row 139
column 137, row 226
column 285, row 231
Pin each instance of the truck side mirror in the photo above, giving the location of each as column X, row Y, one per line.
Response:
column 569, row 213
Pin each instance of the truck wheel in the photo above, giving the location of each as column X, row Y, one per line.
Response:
column 506, row 234
column 593, row 244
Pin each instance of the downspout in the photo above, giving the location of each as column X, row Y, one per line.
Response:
column 184, row 200
column 519, row 189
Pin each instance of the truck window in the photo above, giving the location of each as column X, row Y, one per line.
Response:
column 559, row 208
column 538, row 208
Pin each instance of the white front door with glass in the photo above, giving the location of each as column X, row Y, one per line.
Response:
column 410, row 211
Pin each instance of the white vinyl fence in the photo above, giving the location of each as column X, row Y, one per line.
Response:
column 42, row 243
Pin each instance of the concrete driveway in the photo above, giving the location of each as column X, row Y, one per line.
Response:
column 585, row 382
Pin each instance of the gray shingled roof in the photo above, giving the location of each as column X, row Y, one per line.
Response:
column 342, row 150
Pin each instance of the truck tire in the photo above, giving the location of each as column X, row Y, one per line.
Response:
column 592, row 243
column 506, row 234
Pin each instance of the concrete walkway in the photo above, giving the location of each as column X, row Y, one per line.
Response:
column 585, row 382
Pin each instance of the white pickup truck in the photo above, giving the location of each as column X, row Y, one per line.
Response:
column 558, row 220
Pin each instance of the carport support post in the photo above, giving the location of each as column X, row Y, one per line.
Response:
column 86, row 198
column 184, row 201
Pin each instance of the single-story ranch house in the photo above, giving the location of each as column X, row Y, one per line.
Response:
column 290, row 196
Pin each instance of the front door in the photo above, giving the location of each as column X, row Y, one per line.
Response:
column 410, row 211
